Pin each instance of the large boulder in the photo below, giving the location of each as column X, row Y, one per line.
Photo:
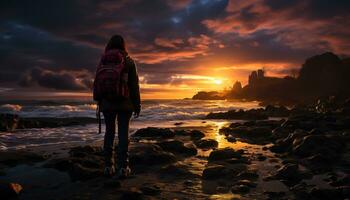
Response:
column 217, row 172
column 206, row 143
column 13, row 158
column 196, row 135
column 274, row 111
column 253, row 114
column 318, row 144
column 177, row 171
column 152, row 132
column 80, row 172
column 178, row 147
column 255, row 134
column 223, row 154
column 150, row 154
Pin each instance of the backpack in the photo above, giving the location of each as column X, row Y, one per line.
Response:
column 111, row 80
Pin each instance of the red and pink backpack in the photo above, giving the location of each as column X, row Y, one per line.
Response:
column 111, row 81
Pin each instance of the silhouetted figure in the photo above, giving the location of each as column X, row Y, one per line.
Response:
column 116, row 89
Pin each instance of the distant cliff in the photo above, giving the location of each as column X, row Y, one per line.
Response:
column 320, row 76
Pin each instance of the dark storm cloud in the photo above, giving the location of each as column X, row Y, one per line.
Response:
column 55, row 80
column 165, row 37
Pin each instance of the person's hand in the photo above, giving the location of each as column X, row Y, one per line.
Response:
column 137, row 112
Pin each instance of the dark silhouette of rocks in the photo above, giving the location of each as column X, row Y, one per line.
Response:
column 208, row 96
column 320, row 76
column 10, row 122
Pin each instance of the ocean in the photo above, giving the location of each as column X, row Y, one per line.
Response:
column 155, row 113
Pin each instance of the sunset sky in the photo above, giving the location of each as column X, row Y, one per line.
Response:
column 51, row 48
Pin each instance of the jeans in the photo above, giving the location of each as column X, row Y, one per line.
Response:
column 123, row 138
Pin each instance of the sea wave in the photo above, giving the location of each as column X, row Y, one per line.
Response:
column 152, row 110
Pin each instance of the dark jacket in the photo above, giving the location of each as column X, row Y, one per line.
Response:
column 134, row 102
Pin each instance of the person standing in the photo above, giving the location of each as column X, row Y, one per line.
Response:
column 116, row 90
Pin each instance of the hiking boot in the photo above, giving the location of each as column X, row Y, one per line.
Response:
column 109, row 171
column 124, row 172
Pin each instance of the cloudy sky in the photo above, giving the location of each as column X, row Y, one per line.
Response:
column 51, row 48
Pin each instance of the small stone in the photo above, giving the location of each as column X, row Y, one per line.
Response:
column 151, row 190
column 247, row 183
column 241, row 189
column 221, row 189
column 196, row 135
column 206, row 143
column 10, row 190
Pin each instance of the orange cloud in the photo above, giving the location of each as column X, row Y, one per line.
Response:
column 192, row 47
column 170, row 43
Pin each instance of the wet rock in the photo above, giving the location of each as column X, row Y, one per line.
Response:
column 249, row 134
column 222, row 189
column 249, row 175
column 223, row 154
column 237, row 160
column 112, row 184
column 188, row 183
column 152, row 132
column 10, row 190
column 182, row 133
column 275, row 195
column 216, row 172
column 274, row 111
column 206, row 143
column 253, row 114
column 240, row 189
column 177, row 170
column 151, row 190
column 273, row 160
column 44, row 122
column 61, row 164
column 8, row 122
column 288, row 171
column 323, row 144
column 261, row 157
column 13, row 158
column 342, row 181
column 85, row 151
column 301, row 191
column 247, row 183
column 79, row 172
column 178, row 147
column 325, row 194
column 231, row 139
column 196, row 135
column 150, row 154
column 131, row 194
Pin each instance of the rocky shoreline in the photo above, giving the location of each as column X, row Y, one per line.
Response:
column 10, row 122
column 304, row 154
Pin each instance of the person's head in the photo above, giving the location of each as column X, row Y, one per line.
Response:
column 116, row 42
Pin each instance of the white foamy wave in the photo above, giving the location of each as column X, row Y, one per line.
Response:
column 151, row 109
column 10, row 108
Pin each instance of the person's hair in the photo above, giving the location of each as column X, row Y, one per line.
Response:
column 116, row 42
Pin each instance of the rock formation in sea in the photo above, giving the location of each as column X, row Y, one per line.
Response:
column 320, row 76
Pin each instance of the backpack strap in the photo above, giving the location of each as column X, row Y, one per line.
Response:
column 98, row 115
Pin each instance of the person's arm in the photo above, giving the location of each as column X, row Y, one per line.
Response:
column 134, row 87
